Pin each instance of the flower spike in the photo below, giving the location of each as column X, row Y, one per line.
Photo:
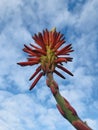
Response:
column 47, row 53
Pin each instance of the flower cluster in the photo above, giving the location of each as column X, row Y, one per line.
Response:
column 48, row 54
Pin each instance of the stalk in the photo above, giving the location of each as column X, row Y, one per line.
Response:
column 66, row 110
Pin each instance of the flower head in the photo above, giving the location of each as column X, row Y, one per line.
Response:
column 48, row 54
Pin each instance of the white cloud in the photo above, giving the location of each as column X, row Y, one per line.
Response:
column 18, row 112
column 18, row 21
column 92, row 123
column 95, row 105
column 87, row 20
column 22, row 112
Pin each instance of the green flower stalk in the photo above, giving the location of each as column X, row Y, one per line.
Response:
column 49, row 55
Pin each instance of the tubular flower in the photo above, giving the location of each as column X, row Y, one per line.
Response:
column 47, row 52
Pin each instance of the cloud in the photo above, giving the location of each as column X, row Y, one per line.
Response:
column 19, row 20
column 20, row 111
column 88, row 17
column 92, row 123
column 15, row 112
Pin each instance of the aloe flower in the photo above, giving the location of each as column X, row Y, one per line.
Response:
column 49, row 52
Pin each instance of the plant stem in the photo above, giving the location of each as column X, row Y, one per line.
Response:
column 64, row 106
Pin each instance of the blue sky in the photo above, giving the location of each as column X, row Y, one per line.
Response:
column 22, row 109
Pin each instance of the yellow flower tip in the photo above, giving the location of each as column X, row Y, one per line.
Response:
column 53, row 29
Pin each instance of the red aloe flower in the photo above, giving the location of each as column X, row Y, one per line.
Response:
column 48, row 54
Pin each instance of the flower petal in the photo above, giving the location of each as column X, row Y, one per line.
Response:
column 38, row 41
column 27, row 63
column 35, row 47
column 60, row 59
column 42, row 41
column 46, row 37
column 60, row 36
column 64, row 69
column 36, row 80
column 59, row 74
column 54, row 39
column 31, row 52
column 68, row 58
column 29, row 48
column 34, row 59
column 59, row 44
column 36, row 72
column 50, row 37
column 64, row 50
column 40, row 51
